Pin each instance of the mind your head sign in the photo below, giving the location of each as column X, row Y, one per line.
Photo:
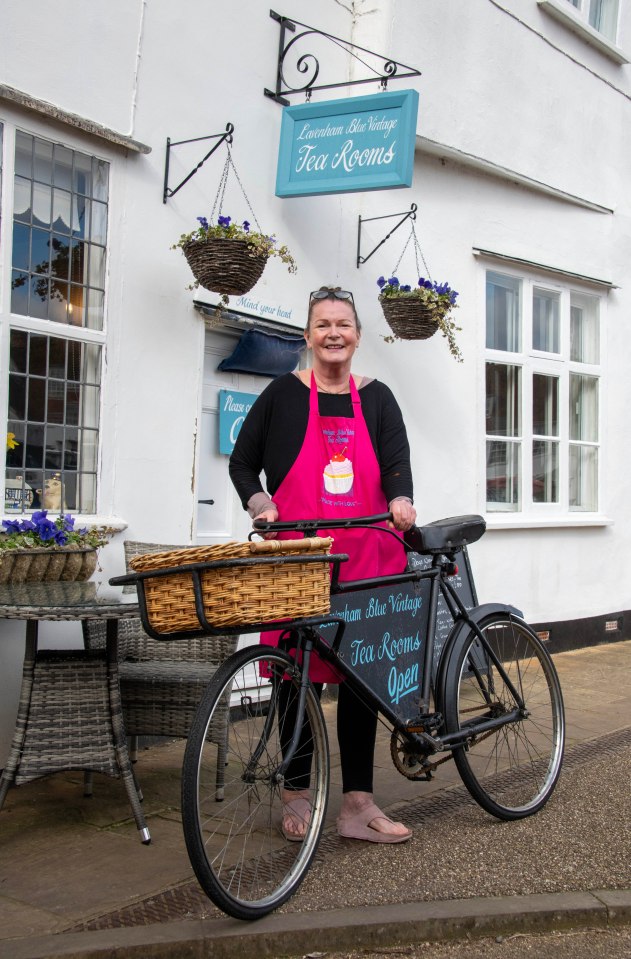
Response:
column 347, row 146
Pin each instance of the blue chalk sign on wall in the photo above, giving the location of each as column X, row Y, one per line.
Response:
column 233, row 409
column 348, row 146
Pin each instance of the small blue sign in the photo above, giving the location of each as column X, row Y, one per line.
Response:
column 233, row 409
column 348, row 146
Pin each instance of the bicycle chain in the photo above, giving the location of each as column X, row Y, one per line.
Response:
column 401, row 751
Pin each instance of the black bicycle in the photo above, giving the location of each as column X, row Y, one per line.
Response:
column 491, row 700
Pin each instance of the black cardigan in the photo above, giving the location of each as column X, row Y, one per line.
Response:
column 273, row 432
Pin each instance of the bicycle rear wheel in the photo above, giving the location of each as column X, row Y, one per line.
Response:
column 236, row 847
column 511, row 770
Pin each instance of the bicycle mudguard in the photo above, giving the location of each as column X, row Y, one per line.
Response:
column 458, row 632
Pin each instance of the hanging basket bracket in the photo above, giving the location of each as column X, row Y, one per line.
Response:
column 221, row 137
column 411, row 213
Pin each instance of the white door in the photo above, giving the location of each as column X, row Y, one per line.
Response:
column 220, row 516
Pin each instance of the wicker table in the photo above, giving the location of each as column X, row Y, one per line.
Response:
column 69, row 714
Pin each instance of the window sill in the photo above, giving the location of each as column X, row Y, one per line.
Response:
column 95, row 519
column 561, row 11
column 494, row 521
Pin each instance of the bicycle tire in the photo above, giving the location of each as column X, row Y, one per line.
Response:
column 512, row 770
column 237, row 851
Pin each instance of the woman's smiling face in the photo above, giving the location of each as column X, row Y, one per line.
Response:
column 332, row 332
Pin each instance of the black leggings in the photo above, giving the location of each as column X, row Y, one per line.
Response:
column 356, row 734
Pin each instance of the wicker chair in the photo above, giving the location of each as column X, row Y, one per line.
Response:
column 162, row 682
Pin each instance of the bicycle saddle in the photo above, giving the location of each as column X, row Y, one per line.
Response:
column 445, row 535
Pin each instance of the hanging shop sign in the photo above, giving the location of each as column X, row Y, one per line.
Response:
column 348, row 146
column 233, row 409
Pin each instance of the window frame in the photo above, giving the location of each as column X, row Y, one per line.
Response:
column 564, row 12
column 531, row 362
column 12, row 122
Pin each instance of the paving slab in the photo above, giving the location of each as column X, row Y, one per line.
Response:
column 75, row 879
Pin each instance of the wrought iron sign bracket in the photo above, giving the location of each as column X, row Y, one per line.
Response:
column 308, row 64
column 221, row 137
column 367, row 219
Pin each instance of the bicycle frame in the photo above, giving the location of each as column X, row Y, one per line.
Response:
column 308, row 641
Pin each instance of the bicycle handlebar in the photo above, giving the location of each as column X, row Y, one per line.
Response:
column 313, row 524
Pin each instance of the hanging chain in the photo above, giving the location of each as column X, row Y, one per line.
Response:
column 417, row 251
column 221, row 189
column 223, row 182
column 407, row 243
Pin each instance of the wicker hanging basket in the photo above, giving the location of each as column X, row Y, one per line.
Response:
column 224, row 266
column 409, row 318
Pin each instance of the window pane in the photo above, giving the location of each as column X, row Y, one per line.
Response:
column 82, row 174
column 583, row 408
column 97, row 266
column 545, row 471
column 603, row 16
column 545, row 405
column 23, row 155
column 98, row 225
column 503, row 312
column 21, row 246
column 583, row 477
column 40, row 251
column 42, row 160
column 42, row 200
column 503, row 400
column 22, row 200
column 545, row 321
column 61, row 210
column 58, row 182
column 63, row 168
column 19, row 293
column 100, row 179
column 54, row 413
column 584, row 328
column 60, row 257
column 94, row 317
column 502, row 475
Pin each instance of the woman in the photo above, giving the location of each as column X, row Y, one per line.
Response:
column 332, row 444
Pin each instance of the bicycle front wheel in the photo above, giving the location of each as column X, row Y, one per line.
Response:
column 510, row 770
column 235, row 844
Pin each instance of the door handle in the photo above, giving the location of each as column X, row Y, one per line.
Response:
column 206, row 502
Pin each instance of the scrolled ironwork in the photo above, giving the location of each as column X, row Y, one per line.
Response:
column 308, row 63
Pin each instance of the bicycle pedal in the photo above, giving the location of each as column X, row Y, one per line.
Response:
column 425, row 724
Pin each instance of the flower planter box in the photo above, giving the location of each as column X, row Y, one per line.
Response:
column 47, row 565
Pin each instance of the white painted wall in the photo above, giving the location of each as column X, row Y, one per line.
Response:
column 501, row 82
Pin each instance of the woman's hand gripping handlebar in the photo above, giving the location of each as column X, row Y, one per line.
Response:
column 401, row 518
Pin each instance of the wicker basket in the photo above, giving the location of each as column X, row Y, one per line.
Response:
column 238, row 595
column 224, row 266
column 66, row 564
column 409, row 319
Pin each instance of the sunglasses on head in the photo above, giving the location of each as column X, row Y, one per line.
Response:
column 330, row 291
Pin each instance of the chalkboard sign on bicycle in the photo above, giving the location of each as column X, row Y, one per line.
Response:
column 386, row 628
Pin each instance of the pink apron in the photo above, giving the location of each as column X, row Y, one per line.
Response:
column 336, row 475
